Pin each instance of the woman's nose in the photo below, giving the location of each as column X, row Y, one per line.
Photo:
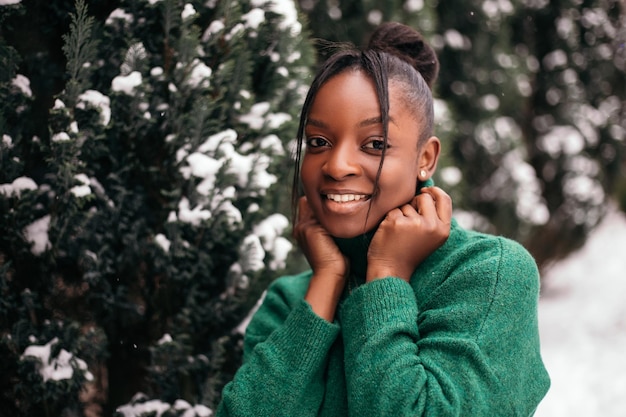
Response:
column 341, row 163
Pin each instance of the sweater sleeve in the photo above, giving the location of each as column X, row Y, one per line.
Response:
column 285, row 352
column 472, row 350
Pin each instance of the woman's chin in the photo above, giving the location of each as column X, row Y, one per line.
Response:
column 345, row 235
column 348, row 232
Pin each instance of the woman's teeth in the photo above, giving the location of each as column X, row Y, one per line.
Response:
column 343, row 198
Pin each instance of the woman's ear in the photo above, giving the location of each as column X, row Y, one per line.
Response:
column 428, row 157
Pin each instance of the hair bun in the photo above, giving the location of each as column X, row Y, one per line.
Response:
column 409, row 45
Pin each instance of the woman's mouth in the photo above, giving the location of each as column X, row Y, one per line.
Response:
column 345, row 198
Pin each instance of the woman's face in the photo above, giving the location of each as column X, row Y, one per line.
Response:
column 344, row 141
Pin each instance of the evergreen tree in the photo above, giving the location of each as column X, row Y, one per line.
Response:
column 140, row 212
column 531, row 107
column 576, row 116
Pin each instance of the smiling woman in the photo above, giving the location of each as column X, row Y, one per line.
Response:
column 403, row 312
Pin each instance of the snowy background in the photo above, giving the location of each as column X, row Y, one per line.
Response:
column 582, row 319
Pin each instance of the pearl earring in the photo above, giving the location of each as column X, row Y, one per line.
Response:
column 423, row 174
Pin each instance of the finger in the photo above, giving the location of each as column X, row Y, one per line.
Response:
column 408, row 210
column 304, row 210
column 394, row 214
column 443, row 202
column 425, row 205
column 302, row 217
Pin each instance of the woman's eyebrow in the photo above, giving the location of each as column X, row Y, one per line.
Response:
column 316, row 123
column 374, row 121
column 363, row 123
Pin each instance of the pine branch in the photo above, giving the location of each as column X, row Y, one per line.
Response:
column 79, row 50
column 135, row 59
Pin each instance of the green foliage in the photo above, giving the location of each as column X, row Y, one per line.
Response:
column 138, row 216
column 79, row 49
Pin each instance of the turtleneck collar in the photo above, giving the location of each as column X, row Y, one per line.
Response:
column 355, row 248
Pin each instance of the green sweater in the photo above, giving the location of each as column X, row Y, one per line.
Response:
column 461, row 339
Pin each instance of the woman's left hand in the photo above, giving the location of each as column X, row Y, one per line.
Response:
column 409, row 234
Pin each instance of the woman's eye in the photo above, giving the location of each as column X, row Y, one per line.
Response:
column 375, row 145
column 316, row 142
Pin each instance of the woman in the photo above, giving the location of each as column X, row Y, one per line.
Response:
column 403, row 312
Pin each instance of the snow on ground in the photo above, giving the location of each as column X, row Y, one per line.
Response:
column 582, row 320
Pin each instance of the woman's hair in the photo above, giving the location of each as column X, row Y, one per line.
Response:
column 396, row 53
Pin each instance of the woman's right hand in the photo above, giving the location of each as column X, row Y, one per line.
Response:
column 409, row 234
column 329, row 265
column 317, row 245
